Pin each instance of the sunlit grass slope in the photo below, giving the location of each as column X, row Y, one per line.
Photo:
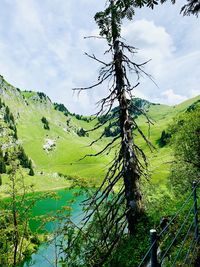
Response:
column 29, row 108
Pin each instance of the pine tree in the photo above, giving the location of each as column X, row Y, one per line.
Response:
column 45, row 123
column 31, row 171
column 2, row 163
column 2, row 166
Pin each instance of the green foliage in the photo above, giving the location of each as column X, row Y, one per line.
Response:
column 8, row 116
column 164, row 139
column 6, row 157
column 191, row 8
column 194, row 106
column 2, row 166
column 81, row 117
column 96, row 244
column 31, row 171
column 111, row 130
column 15, row 238
column 23, row 158
column 2, row 163
column 45, row 123
column 137, row 107
column 81, row 132
column 2, row 104
column 42, row 95
column 186, row 145
column 25, row 162
column 128, row 253
column 9, row 119
column 61, row 108
column 118, row 10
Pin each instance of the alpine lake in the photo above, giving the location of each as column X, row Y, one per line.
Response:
column 47, row 252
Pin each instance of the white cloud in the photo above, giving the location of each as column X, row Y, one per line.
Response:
column 42, row 47
column 168, row 66
column 171, row 98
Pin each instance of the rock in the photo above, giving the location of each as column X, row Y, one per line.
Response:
column 49, row 145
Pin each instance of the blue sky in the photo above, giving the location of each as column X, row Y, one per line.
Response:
column 42, row 49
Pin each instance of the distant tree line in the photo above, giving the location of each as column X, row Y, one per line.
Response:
column 137, row 107
column 62, row 108
column 25, row 161
column 66, row 112
column 81, row 117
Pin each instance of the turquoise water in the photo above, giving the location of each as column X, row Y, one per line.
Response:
column 46, row 254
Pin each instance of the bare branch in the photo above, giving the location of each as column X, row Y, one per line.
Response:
column 98, row 60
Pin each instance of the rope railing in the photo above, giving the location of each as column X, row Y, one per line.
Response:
column 185, row 238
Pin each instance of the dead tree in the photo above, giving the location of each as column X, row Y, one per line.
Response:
column 111, row 213
column 127, row 165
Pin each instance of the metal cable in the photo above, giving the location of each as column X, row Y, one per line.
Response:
column 188, row 252
column 193, row 253
column 178, row 212
column 147, row 254
column 190, row 247
column 183, row 242
column 179, row 231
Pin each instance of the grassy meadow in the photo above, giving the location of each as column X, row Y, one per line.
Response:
column 64, row 158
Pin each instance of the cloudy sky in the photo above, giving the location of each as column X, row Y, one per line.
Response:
column 42, row 48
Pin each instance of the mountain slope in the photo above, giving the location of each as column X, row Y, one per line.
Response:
column 58, row 150
column 63, row 157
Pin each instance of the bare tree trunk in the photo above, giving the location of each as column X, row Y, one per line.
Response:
column 130, row 175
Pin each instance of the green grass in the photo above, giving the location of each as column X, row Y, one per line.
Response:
column 70, row 147
column 28, row 94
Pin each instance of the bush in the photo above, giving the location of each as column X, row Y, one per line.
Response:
column 164, row 139
column 2, row 166
column 31, row 172
column 45, row 123
column 81, row 132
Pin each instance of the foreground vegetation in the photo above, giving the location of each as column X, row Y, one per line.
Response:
column 22, row 126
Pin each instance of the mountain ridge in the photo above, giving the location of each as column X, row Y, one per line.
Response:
column 55, row 152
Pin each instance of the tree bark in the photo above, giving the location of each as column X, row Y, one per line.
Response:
column 130, row 167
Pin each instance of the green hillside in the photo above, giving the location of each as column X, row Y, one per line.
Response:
column 55, row 152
